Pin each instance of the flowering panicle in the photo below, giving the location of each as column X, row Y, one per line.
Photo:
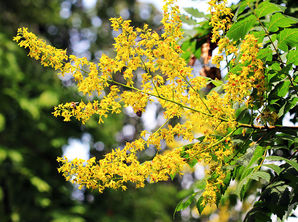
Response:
column 83, row 112
column 171, row 21
column 120, row 166
column 227, row 46
column 39, row 50
column 166, row 78
column 251, row 74
column 220, row 18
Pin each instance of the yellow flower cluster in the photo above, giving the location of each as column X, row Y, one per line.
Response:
column 39, row 49
column 85, row 73
column 171, row 21
column 220, row 18
column 165, row 78
column 121, row 166
column 227, row 46
column 251, row 74
column 83, row 112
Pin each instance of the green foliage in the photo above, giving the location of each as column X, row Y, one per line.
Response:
column 279, row 20
column 241, row 28
column 265, row 157
column 267, row 8
column 278, row 197
column 195, row 12
column 287, row 38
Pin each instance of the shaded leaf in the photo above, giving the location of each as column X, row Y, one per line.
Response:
column 185, row 203
column 243, row 5
column 279, row 158
column 281, row 111
column 200, row 206
column 243, row 115
column 188, row 20
column 252, row 176
column 201, row 184
column 274, row 167
column 258, row 153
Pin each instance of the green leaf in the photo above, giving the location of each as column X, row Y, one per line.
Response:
column 185, row 203
column 266, row 8
column 292, row 57
column 241, row 28
column 260, row 35
column 2, row 122
column 201, row 184
column 48, row 98
column 265, row 53
column 243, row 16
column 188, row 20
column 279, row 158
column 242, row 6
column 279, row 20
column 283, row 89
column 258, row 153
column 275, row 66
column 217, row 82
column 274, row 167
column 173, row 176
column 226, row 182
column 252, row 176
column 31, row 106
column 192, row 162
column 198, row 53
column 3, row 153
column 281, row 111
column 200, row 206
column 40, row 184
column 195, row 12
column 287, row 37
column 243, row 115
column 292, row 103
column 236, row 69
column 218, row 89
column 185, row 45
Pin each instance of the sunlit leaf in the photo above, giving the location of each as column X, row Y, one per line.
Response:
column 279, row 20
column 240, row 29
column 292, row 57
column 287, row 37
column 195, row 12
column 266, row 8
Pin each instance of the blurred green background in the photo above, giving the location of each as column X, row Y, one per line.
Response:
column 31, row 138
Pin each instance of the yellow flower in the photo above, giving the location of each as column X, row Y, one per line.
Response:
column 153, row 71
